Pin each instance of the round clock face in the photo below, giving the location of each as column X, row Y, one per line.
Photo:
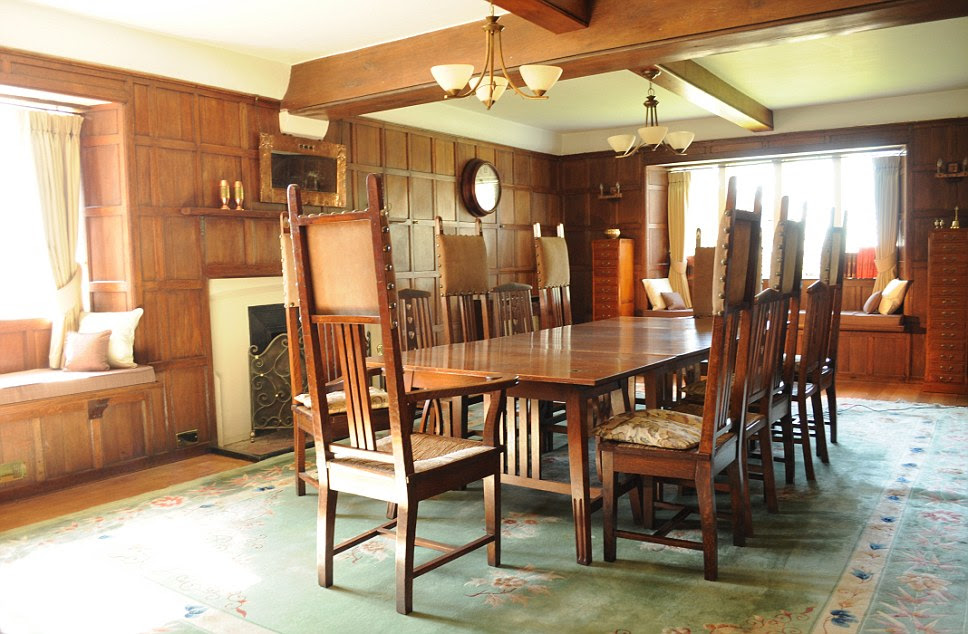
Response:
column 480, row 187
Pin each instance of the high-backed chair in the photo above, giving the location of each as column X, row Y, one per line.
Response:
column 510, row 309
column 688, row 449
column 302, row 415
column 812, row 359
column 346, row 282
column 832, row 263
column 462, row 265
column 417, row 319
column 554, row 278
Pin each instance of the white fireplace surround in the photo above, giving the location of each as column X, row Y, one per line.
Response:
column 228, row 301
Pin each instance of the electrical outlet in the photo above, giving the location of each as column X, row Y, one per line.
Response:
column 185, row 438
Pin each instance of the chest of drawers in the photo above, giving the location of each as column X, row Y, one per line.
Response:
column 946, row 363
column 613, row 283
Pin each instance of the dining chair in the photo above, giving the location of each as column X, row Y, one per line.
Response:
column 833, row 257
column 554, row 278
column 665, row 445
column 302, row 416
column 417, row 318
column 345, row 282
column 812, row 358
column 511, row 309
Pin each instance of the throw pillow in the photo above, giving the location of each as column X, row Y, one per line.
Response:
column 872, row 303
column 86, row 352
column 654, row 288
column 892, row 297
column 122, row 326
column 673, row 301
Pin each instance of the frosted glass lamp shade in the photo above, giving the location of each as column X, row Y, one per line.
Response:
column 653, row 135
column 452, row 77
column 540, row 78
column 621, row 143
column 489, row 92
column 680, row 140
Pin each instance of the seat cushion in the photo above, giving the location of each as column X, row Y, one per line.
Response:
column 337, row 400
column 429, row 452
column 654, row 428
column 28, row 385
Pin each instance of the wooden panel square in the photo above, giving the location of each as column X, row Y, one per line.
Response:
column 504, row 163
column 421, row 198
column 400, row 241
column 522, row 206
column 365, row 147
column 421, row 159
column 183, row 252
column 396, row 142
column 539, row 207
column 142, row 109
column 522, row 169
column 505, row 248
column 505, row 207
column 219, row 121
column 172, row 114
column 524, row 249
column 106, row 255
column 444, row 157
column 485, row 153
column 262, row 243
column 101, row 172
column 187, row 392
column 490, row 243
column 445, row 197
column 66, row 441
column 173, row 178
column 151, row 242
column 395, row 194
column 574, row 174
column 422, row 247
column 17, row 444
column 102, row 121
column 123, row 432
column 141, row 188
column 186, row 325
column 575, row 210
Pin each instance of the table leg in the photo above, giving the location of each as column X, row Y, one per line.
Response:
column 576, row 412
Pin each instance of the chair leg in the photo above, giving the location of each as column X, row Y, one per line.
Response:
column 651, row 491
column 789, row 453
column 299, row 449
column 769, row 476
column 740, row 501
column 325, row 525
column 706, row 492
column 832, row 411
column 817, row 401
column 406, row 534
column 805, row 438
column 492, row 518
column 609, row 513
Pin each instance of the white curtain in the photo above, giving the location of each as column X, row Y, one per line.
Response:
column 56, row 144
column 887, row 198
column 678, row 202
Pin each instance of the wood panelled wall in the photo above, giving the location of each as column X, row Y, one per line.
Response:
column 162, row 145
column 421, row 177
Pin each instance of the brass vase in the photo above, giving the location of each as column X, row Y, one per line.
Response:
column 239, row 196
column 223, row 190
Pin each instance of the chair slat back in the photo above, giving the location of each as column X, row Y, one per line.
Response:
column 416, row 319
column 511, row 311
column 462, row 264
column 788, row 279
column 762, row 335
column 737, row 247
column 346, row 282
column 553, row 278
column 833, row 257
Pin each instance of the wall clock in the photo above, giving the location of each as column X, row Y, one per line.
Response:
column 480, row 187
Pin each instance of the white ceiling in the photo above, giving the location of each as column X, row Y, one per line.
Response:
column 907, row 60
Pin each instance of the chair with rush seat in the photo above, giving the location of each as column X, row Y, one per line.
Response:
column 346, row 282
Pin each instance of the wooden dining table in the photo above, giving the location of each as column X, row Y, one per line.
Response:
column 574, row 364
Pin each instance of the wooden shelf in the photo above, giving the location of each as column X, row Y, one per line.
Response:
column 609, row 196
column 264, row 214
column 950, row 175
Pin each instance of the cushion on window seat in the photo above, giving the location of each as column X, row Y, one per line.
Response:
column 29, row 385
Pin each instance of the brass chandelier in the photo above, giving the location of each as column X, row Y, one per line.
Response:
column 652, row 135
column 456, row 79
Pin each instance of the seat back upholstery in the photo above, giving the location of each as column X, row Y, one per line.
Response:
column 737, row 248
column 345, row 281
column 511, row 310
column 462, row 264
column 787, row 277
column 553, row 277
column 416, row 319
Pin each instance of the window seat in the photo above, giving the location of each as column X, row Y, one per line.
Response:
column 29, row 385
column 858, row 320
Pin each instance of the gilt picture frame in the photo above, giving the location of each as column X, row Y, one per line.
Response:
column 318, row 167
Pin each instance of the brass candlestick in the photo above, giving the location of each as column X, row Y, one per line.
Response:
column 223, row 190
column 954, row 223
column 239, row 196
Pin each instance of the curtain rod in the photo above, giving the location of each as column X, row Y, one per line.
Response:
column 38, row 104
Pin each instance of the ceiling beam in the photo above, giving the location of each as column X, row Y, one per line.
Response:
column 557, row 16
column 700, row 87
column 623, row 34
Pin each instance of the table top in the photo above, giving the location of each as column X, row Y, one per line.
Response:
column 591, row 353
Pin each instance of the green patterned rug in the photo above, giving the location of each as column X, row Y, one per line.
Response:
column 879, row 544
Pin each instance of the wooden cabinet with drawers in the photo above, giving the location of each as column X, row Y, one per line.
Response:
column 613, row 283
column 946, row 365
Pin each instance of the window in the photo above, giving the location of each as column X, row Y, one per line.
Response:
column 824, row 187
column 26, row 282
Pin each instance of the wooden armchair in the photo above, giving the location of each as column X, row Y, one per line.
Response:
column 346, row 282
column 417, row 319
column 510, row 309
column 832, row 261
column 554, row 278
column 688, row 449
column 302, row 415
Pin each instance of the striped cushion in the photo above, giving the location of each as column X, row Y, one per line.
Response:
column 654, row 428
column 337, row 400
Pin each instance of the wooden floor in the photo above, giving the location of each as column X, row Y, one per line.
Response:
column 39, row 508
